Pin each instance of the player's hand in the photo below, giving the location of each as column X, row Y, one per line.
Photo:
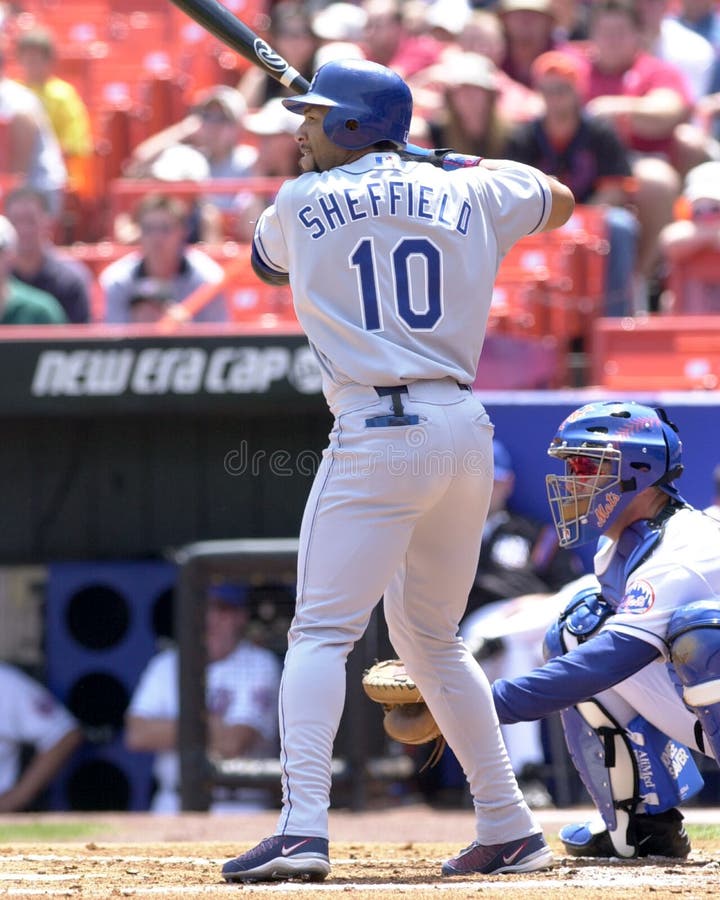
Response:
column 443, row 157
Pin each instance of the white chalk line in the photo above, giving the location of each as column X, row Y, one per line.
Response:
column 32, row 883
column 513, row 888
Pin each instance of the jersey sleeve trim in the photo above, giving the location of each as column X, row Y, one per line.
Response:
column 262, row 266
column 545, row 211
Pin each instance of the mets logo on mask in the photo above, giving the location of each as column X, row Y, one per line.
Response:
column 639, row 597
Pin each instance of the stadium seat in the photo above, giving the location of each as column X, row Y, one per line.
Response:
column 693, row 285
column 570, row 263
column 657, row 353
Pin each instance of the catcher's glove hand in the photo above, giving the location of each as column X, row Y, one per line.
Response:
column 407, row 718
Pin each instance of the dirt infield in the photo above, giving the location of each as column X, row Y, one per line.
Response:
column 378, row 855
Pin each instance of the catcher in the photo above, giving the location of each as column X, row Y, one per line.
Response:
column 633, row 662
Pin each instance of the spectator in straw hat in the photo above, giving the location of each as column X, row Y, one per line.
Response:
column 529, row 27
column 274, row 127
column 468, row 119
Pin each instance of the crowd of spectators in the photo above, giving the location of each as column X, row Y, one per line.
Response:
column 620, row 99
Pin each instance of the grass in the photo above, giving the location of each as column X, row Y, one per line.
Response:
column 703, row 832
column 37, row 832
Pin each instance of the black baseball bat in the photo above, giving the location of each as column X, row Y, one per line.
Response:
column 218, row 20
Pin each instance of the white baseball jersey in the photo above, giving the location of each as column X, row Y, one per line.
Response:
column 29, row 714
column 392, row 263
column 684, row 567
column 242, row 688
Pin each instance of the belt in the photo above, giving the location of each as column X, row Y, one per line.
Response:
column 399, row 417
column 388, row 391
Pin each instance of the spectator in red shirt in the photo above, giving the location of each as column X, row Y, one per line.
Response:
column 643, row 96
column 645, row 99
column 387, row 41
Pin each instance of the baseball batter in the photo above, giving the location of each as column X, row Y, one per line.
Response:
column 391, row 264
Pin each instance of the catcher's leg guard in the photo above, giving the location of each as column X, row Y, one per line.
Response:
column 694, row 640
column 625, row 769
column 602, row 754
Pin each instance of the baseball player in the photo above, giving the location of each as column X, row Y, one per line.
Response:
column 633, row 662
column 241, row 690
column 391, row 263
column 30, row 714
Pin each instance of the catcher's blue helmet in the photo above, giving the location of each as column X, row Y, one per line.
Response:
column 368, row 103
column 612, row 450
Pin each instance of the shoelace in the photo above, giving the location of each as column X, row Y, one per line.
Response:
column 262, row 847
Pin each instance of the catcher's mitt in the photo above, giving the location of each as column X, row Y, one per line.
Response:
column 407, row 718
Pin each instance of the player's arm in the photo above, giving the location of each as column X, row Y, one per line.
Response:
column 150, row 734
column 228, row 740
column 39, row 772
column 563, row 204
column 263, row 269
column 562, row 199
column 601, row 662
column 268, row 256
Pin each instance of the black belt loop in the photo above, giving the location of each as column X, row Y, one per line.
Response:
column 393, row 389
column 402, row 389
column 394, row 394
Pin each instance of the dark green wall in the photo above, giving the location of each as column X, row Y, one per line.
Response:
column 134, row 486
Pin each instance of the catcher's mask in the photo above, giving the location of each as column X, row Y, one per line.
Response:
column 611, row 451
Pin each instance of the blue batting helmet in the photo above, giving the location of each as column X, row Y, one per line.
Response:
column 612, row 450
column 368, row 103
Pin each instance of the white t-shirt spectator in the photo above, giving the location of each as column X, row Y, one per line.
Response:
column 242, row 688
column 29, row 714
column 119, row 282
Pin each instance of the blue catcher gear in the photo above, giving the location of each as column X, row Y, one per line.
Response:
column 694, row 640
column 612, row 450
column 623, row 769
column 367, row 102
column 580, row 619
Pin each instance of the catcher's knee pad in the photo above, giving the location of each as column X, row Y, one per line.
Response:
column 580, row 619
column 694, row 640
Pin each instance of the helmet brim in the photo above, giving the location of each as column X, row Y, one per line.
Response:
column 298, row 104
